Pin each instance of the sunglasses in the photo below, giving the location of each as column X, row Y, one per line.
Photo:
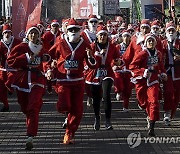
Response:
column 93, row 21
column 74, row 29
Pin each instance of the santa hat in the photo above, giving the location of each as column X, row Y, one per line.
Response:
column 125, row 32
column 170, row 25
column 92, row 17
column 101, row 29
column 73, row 23
column 155, row 23
column 40, row 24
column 54, row 22
column 109, row 22
column 148, row 36
column 65, row 21
column 6, row 28
column 145, row 23
column 31, row 27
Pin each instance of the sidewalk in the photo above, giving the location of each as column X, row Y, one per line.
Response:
column 50, row 134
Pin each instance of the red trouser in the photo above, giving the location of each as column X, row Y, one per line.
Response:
column 171, row 95
column 70, row 99
column 148, row 98
column 123, row 85
column 3, row 93
column 31, row 104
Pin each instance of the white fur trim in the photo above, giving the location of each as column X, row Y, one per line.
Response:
column 146, row 25
column 71, row 26
column 28, row 57
column 27, row 33
column 126, row 33
column 101, row 31
column 145, row 41
column 6, row 31
column 155, row 26
column 145, row 73
column 55, row 23
column 170, row 28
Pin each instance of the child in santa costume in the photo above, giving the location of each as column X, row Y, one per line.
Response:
column 147, row 66
column 29, row 80
column 7, row 43
column 71, row 52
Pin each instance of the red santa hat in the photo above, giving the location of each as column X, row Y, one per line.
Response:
column 101, row 29
column 170, row 25
column 149, row 36
column 155, row 23
column 65, row 21
column 54, row 22
column 6, row 28
column 31, row 27
column 145, row 23
column 125, row 32
column 40, row 24
column 109, row 22
column 93, row 17
column 73, row 23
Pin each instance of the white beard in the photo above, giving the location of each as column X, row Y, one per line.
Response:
column 35, row 48
column 140, row 38
column 73, row 36
column 7, row 40
column 92, row 27
column 156, row 33
column 171, row 37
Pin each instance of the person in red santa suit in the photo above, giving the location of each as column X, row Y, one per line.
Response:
column 89, row 35
column 71, row 52
column 136, row 45
column 122, row 82
column 101, row 79
column 171, row 48
column 29, row 80
column 147, row 66
column 6, row 45
column 49, row 37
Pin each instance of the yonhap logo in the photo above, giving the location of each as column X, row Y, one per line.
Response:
column 134, row 139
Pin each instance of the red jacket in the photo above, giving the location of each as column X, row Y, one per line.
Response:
column 170, row 64
column 70, row 62
column 104, row 63
column 144, row 61
column 26, row 77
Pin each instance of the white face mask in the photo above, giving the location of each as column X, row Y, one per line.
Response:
column 7, row 40
column 171, row 37
column 35, row 48
column 73, row 37
column 92, row 27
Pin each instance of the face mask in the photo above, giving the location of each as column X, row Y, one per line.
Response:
column 73, row 36
column 92, row 27
column 35, row 48
column 7, row 40
column 171, row 37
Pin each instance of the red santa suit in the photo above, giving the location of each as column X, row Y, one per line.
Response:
column 70, row 78
column 172, row 86
column 5, row 50
column 122, row 79
column 147, row 88
column 29, row 80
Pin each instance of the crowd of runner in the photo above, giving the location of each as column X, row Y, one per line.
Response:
column 72, row 58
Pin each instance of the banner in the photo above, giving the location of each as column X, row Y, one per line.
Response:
column 24, row 12
column 81, row 9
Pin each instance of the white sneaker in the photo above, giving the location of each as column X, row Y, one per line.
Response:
column 89, row 101
column 167, row 118
column 118, row 96
column 148, row 122
column 125, row 110
column 29, row 143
